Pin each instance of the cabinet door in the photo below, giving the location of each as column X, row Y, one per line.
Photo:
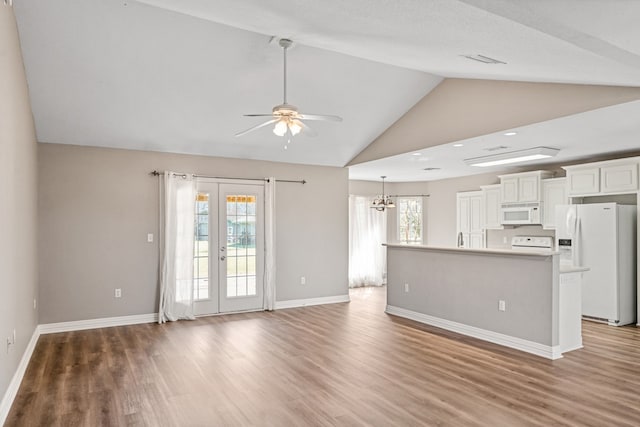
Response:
column 476, row 241
column 583, row 181
column 491, row 202
column 528, row 189
column 463, row 214
column 509, row 187
column 617, row 179
column 554, row 193
column 475, row 214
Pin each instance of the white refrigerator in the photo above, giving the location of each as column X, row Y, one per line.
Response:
column 601, row 237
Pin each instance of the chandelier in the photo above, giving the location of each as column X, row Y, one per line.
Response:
column 382, row 202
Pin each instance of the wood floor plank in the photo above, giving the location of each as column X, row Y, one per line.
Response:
column 334, row 365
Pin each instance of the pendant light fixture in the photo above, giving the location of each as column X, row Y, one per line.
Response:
column 382, row 202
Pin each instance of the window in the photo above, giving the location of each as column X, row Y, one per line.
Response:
column 409, row 219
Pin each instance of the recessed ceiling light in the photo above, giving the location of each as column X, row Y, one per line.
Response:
column 458, row 145
column 416, row 154
column 510, row 133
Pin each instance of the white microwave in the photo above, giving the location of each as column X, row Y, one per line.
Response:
column 521, row 213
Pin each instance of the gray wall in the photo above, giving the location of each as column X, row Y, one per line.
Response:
column 18, row 264
column 439, row 209
column 97, row 205
column 465, row 287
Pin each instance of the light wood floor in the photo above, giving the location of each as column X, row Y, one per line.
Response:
column 340, row 364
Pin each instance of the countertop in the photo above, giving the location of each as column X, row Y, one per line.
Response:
column 507, row 252
column 564, row 268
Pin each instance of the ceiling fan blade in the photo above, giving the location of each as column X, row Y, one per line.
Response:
column 251, row 129
column 258, row 115
column 308, row 130
column 319, row 117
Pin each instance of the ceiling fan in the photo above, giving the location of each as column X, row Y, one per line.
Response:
column 285, row 117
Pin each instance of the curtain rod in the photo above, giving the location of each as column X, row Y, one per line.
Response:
column 302, row 181
column 409, row 195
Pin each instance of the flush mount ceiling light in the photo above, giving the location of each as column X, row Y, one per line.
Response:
column 536, row 153
column 382, row 202
column 288, row 121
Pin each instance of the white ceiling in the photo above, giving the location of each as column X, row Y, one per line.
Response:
column 176, row 76
column 607, row 130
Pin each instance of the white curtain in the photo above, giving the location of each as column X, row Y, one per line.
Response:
column 176, row 253
column 367, row 233
column 270, row 244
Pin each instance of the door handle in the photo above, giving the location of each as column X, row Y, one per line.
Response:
column 222, row 258
column 222, row 248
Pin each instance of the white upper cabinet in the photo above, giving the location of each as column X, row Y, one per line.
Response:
column 619, row 178
column 522, row 187
column 609, row 177
column 491, row 201
column 584, row 180
column 554, row 193
column 509, row 186
column 529, row 188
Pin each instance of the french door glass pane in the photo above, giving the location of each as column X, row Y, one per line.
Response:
column 201, row 248
column 241, row 245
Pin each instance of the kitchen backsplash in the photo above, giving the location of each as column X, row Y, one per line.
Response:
column 501, row 239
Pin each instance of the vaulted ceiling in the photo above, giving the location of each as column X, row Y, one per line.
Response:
column 177, row 76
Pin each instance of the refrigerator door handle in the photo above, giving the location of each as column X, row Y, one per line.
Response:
column 576, row 256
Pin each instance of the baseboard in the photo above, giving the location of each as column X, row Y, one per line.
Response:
column 14, row 385
column 549, row 352
column 576, row 347
column 106, row 322
column 293, row 303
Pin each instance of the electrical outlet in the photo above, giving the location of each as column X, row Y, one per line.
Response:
column 150, row 238
column 35, row 303
column 118, row 293
column 502, row 305
column 303, row 280
column 406, row 287
column 14, row 337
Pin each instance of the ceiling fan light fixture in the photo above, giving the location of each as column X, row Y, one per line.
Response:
column 280, row 128
column 288, row 121
column 295, row 127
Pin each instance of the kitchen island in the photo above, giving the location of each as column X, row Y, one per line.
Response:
column 507, row 297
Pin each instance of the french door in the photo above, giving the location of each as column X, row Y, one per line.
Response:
column 229, row 248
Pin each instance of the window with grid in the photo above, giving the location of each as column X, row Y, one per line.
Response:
column 201, row 248
column 409, row 219
column 241, row 240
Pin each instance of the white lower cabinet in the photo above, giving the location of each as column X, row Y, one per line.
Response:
column 554, row 193
column 469, row 230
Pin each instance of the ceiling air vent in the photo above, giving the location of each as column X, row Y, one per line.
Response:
column 496, row 148
column 431, row 169
column 483, row 59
